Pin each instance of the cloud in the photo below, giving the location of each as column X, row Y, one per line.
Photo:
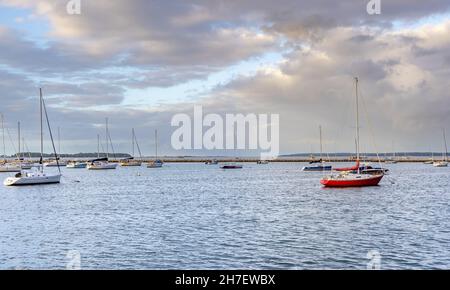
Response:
column 90, row 61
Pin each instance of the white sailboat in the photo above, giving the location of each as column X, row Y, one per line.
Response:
column 6, row 167
column 38, row 177
column 157, row 163
column 132, row 162
column 102, row 163
column 444, row 162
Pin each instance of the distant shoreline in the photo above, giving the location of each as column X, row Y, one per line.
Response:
column 203, row 159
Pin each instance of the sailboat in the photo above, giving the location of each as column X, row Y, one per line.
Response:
column 157, row 163
column 38, row 177
column 353, row 177
column 444, row 162
column 102, row 163
column 131, row 162
column 6, row 167
column 320, row 167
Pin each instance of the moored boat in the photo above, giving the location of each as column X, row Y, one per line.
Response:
column 132, row 162
column 76, row 165
column 320, row 162
column 444, row 161
column 232, row 166
column 39, row 177
column 352, row 176
column 101, row 164
column 351, row 180
column 157, row 163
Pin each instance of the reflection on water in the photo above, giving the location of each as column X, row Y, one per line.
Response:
column 201, row 217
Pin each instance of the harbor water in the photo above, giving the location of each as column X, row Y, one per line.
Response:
column 195, row 216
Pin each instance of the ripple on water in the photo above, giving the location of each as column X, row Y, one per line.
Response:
column 201, row 217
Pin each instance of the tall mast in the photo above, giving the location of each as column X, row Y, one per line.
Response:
column 3, row 137
column 321, row 146
column 59, row 141
column 42, row 130
column 98, row 146
column 132, row 140
column 156, row 144
column 107, row 141
column 18, row 133
column 357, row 120
column 445, row 144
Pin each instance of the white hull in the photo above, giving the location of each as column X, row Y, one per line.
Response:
column 155, row 165
column 76, row 165
column 32, row 179
column 54, row 164
column 10, row 168
column 102, row 166
column 131, row 164
column 440, row 164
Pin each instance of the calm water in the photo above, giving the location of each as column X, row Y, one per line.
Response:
column 200, row 217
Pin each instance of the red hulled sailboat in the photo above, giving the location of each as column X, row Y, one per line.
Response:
column 352, row 176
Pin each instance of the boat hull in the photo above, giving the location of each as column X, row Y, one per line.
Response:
column 10, row 169
column 33, row 180
column 131, row 164
column 102, row 167
column 317, row 168
column 356, row 182
column 232, row 167
column 77, row 166
column 440, row 164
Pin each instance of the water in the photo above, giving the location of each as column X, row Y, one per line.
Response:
column 200, row 217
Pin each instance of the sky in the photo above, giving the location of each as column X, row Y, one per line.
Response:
column 140, row 62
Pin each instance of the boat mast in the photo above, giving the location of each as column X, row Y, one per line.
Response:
column 3, row 138
column 18, row 132
column 445, row 144
column 321, row 146
column 107, row 142
column 132, row 140
column 59, row 141
column 156, row 144
column 357, row 122
column 42, row 131
column 98, row 146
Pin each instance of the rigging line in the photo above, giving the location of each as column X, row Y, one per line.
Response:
column 112, row 146
column 138, row 148
column 370, row 128
column 12, row 143
column 51, row 135
column 101, row 146
column 26, row 147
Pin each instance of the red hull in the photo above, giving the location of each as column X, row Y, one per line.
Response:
column 374, row 181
